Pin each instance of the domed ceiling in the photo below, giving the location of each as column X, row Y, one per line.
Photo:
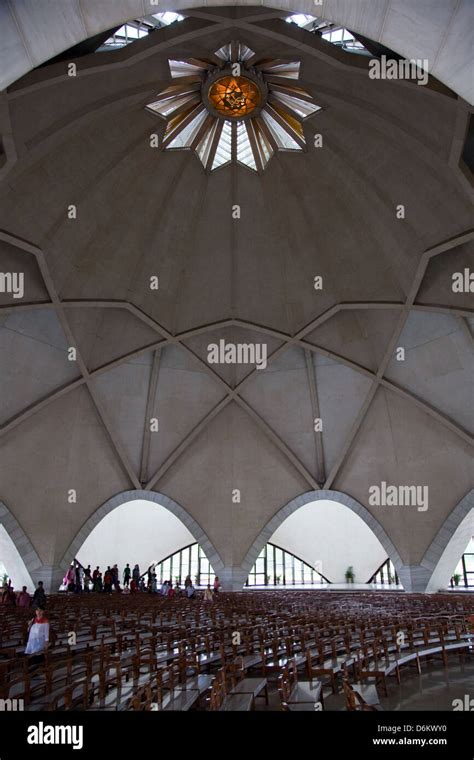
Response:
column 333, row 258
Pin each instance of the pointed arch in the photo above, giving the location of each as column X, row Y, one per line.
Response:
column 447, row 546
column 156, row 498
column 22, row 543
column 328, row 495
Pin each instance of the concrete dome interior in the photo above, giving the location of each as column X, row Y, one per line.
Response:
column 319, row 265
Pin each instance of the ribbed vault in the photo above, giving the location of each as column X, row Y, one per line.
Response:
column 141, row 354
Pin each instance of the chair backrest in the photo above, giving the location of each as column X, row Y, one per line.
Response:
column 351, row 702
column 233, row 672
column 217, row 692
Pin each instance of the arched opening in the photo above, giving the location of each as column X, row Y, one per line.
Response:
column 135, row 532
column 12, row 567
column 189, row 561
column 463, row 576
column 277, row 567
column 19, row 560
column 140, row 527
column 444, row 556
column 386, row 574
column 335, row 536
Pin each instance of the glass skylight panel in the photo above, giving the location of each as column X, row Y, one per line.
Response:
column 174, row 125
column 224, row 148
column 342, row 38
column 127, row 34
column 334, row 35
column 302, row 107
column 244, row 148
column 168, row 17
column 280, row 135
column 265, row 149
column 131, row 32
column 204, row 146
column 186, row 137
column 237, row 117
column 223, row 53
column 330, row 32
column 168, row 106
column 243, row 52
column 184, row 69
column 289, row 70
column 301, row 19
column 291, row 123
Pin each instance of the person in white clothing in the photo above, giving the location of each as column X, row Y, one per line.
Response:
column 190, row 591
column 38, row 638
column 208, row 594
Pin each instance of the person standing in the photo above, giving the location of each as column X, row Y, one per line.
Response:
column 127, row 575
column 23, row 599
column 190, row 591
column 39, row 597
column 136, row 575
column 108, row 580
column 87, row 578
column 217, row 584
column 69, row 579
column 8, row 595
column 208, row 594
column 77, row 579
column 38, row 637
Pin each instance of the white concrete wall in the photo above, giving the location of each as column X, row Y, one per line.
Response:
column 12, row 564
column 138, row 531
column 327, row 532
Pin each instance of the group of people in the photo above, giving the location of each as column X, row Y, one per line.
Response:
column 39, row 629
column 12, row 598
column 82, row 579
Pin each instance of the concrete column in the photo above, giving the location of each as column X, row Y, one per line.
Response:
column 414, row 577
column 232, row 578
column 51, row 575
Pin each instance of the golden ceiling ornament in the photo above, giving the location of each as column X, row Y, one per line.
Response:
column 234, row 108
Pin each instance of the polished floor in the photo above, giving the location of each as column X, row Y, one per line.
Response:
column 434, row 690
column 329, row 587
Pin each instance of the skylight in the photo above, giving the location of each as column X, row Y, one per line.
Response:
column 226, row 117
column 336, row 35
column 138, row 28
